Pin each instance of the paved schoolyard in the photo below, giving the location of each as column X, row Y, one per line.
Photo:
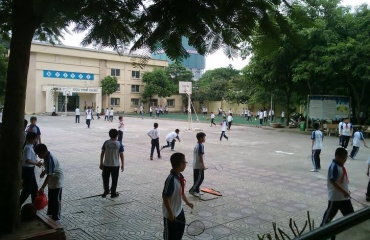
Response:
column 265, row 179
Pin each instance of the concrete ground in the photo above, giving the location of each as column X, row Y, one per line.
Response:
column 265, row 178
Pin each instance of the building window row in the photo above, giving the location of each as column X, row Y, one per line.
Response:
column 135, row 88
column 115, row 72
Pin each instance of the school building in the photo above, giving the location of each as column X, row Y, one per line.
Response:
column 55, row 70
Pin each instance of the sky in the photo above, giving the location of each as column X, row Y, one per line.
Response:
column 215, row 60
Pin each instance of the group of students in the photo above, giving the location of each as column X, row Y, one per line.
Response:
column 89, row 113
column 32, row 149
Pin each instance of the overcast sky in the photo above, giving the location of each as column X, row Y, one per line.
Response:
column 216, row 60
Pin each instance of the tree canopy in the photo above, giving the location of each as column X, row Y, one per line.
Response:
column 109, row 85
column 157, row 82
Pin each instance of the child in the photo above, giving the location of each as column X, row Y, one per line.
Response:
column 368, row 185
column 171, row 139
column 106, row 115
column 34, row 128
column 346, row 132
column 154, row 135
column 198, row 164
column 213, row 119
column 29, row 162
column 223, row 129
column 121, row 125
column 54, row 180
column 89, row 116
column 317, row 138
column 173, row 195
column 111, row 114
column 111, row 153
column 337, row 183
column 357, row 138
column 229, row 121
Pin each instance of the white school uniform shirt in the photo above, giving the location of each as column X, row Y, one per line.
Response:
column 77, row 111
column 54, row 171
column 229, row 118
column 223, row 126
column 106, row 112
column 357, row 138
column 318, row 137
column 265, row 113
column 260, row 115
column 121, row 126
column 153, row 133
column 111, row 112
column 171, row 136
column 29, row 154
column 282, row 114
column 212, row 115
column 88, row 114
column 346, row 129
column 98, row 110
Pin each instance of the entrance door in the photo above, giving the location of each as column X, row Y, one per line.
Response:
column 73, row 102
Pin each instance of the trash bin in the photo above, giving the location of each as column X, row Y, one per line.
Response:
column 302, row 126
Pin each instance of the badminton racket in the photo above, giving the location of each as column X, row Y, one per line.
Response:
column 195, row 228
column 217, row 167
column 363, row 204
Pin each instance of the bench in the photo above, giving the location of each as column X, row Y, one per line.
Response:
column 330, row 128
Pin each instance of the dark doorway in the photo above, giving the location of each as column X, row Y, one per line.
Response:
column 73, row 102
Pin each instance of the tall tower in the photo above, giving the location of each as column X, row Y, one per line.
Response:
column 195, row 62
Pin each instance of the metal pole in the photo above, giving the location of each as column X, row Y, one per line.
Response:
column 189, row 112
column 65, row 107
column 271, row 109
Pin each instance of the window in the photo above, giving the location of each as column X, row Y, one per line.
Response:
column 135, row 101
column 154, row 102
column 114, row 101
column 170, row 102
column 118, row 88
column 135, row 88
column 135, row 74
column 115, row 72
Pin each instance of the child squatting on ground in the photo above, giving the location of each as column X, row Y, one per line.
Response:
column 172, row 196
column 54, row 180
column 337, row 184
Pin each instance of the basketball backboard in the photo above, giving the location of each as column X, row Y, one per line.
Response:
column 185, row 87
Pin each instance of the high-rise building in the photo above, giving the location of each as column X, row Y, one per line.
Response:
column 195, row 62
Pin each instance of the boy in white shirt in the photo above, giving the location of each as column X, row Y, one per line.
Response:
column 88, row 117
column 106, row 115
column 358, row 136
column 171, row 139
column 317, row 139
column 229, row 121
column 346, row 131
column 223, row 129
column 111, row 114
column 121, row 125
column 54, row 181
column 213, row 119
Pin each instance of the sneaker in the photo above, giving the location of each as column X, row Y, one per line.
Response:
column 159, row 157
column 114, row 195
column 104, row 194
column 200, row 193
column 313, row 170
column 151, row 158
column 196, row 194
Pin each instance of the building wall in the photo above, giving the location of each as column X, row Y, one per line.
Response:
column 49, row 64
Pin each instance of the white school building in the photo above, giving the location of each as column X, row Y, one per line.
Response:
column 54, row 69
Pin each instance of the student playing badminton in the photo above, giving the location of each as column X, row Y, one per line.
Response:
column 172, row 195
column 198, row 164
column 358, row 136
column 337, row 183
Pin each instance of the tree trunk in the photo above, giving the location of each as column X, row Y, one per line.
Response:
column 12, row 139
